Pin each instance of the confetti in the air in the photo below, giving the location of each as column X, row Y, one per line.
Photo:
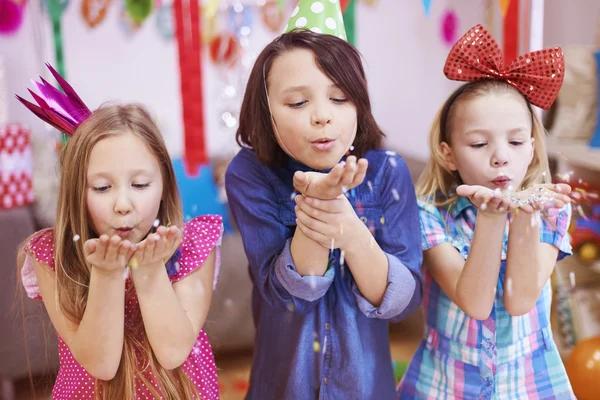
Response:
column 395, row 194
column 316, row 346
column 156, row 223
column 76, row 238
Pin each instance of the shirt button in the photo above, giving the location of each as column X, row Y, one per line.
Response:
column 327, row 326
column 326, row 380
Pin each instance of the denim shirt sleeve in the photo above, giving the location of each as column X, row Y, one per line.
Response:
column 267, row 240
column 401, row 243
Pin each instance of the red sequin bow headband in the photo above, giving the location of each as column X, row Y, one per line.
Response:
column 537, row 75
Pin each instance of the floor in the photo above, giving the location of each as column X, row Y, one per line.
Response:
column 234, row 369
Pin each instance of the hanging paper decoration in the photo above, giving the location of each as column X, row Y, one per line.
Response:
column 187, row 29
column 164, row 21
column 127, row 25
column 350, row 20
column 504, row 5
column 511, row 32
column 449, row 27
column 138, row 10
column 11, row 16
column 94, row 11
column 273, row 16
column 427, row 7
column 224, row 49
column 55, row 10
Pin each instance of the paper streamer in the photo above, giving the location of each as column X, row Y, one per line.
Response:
column 511, row 32
column 350, row 21
column 56, row 9
column 187, row 31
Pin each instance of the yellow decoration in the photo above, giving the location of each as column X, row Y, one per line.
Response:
column 504, row 4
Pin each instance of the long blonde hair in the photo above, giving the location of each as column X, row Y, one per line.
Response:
column 73, row 273
column 436, row 184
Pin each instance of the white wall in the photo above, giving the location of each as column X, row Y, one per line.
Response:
column 403, row 52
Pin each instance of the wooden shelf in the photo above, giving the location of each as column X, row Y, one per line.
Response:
column 574, row 152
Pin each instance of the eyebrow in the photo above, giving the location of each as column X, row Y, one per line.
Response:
column 107, row 175
column 511, row 131
column 304, row 87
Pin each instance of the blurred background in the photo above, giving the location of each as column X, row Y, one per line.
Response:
column 188, row 61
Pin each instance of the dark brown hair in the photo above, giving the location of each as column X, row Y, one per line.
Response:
column 337, row 59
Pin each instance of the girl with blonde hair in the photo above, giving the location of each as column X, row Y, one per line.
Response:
column 487, row 254
column 126, row 284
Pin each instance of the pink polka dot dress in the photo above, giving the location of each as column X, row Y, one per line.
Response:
column 200, row 236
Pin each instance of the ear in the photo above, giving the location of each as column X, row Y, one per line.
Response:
column 448, row 156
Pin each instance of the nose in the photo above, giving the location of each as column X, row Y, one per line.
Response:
column 321, row 116
column 500, row 158
column 123, row 204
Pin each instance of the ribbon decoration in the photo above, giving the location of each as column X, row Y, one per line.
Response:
column 56, row 9
column 511, row 32
column 187, row 31
column 349, row 13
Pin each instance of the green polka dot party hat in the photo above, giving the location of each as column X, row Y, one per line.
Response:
column 320, row 16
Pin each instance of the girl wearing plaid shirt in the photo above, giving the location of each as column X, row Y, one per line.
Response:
column 489, row 249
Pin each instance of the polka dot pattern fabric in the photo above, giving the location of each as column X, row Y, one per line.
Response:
column 200, row 236
column 320, row 16
column 477, row 56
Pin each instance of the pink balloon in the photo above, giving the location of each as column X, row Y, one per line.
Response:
column 449, row 27
column 11, row 16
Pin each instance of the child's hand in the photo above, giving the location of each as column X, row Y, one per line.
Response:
column 331, row 223
column 108, row 254
column 157, row 247
column 487, row 200
column 331, row 185
column 543, row 197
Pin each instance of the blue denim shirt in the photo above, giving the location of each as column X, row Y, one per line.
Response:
column 318, row 337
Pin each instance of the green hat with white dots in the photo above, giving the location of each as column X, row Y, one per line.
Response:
column 321, row 16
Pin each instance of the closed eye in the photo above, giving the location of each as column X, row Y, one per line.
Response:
column 516, row 143
column 101, row 189
column 478, row 145
column 297, row 105
column 140, row 186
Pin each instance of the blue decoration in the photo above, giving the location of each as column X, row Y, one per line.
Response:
column 199, row 194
